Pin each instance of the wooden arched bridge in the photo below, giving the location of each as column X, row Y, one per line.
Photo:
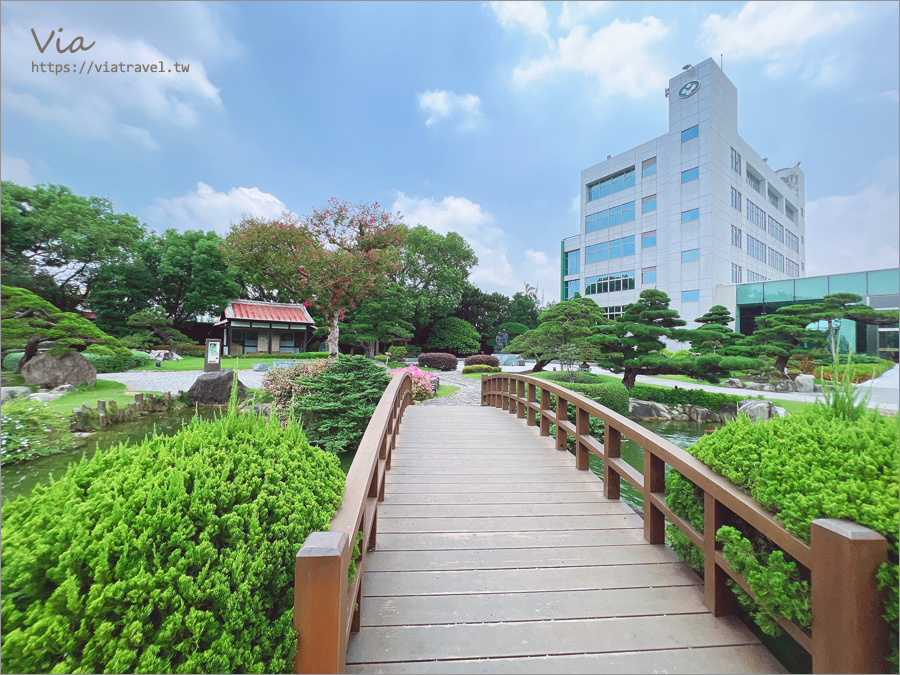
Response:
column 483, row 549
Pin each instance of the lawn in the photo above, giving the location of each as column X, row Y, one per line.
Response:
column 446, row 390
column 792, row 407
column 237, row 363
column 105, row 391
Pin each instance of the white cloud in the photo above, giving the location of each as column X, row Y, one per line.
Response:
column 617, row 55
column 15, row 169
column 775, row 32
column 529, row 16
column 494, row 272
column 574, row 13
column 441, row 104
column 117, row 107
column 849, row 233
column 833, row 70
column 206, row 209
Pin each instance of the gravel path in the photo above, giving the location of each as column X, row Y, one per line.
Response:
column 469, row 390
column 172, row 380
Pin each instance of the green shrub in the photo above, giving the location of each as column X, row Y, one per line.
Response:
column 672, row 396
column 562, row 377
column 454, row 335
column 398, row 352
column 104, row 363
column 192, row 350
column 172, row 555
column 140, row 358
column 335, row 407
column 381, row 358
column 28, row 429
column 437, row 360
column 412, row 351
column 11, row 361
column 282, row 384
column 815, row 464
column 482, row 360
column 480, row 369
column 612, row 395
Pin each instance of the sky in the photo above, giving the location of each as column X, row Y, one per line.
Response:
column 469, row 117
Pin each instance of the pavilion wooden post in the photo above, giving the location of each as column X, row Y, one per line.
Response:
column 849, row 633
column 320, row 596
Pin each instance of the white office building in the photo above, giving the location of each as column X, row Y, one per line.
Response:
column 686, row 212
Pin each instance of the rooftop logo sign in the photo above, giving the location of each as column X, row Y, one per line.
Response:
column 689, row 89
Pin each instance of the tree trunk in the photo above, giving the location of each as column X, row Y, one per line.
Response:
column 368, row 348
column 333, row 334
column 629, row 378
column 540, row 364
column 781, row 363
column 31, row 350
column 832, row 338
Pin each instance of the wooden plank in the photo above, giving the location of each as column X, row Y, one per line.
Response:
column 504, row 558
column 588, row 495
column 530, row 638
column 726, row 660
column 457, row 540
column 528, row 580
column 574, row 476
column 499, row 486
column 462, row 470
column 538, row 606
column 511, row 523
column 451, row 459
column 595, row 508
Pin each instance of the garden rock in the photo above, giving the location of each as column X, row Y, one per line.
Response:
column 805, row 383
column 8, row 393
column 680, row 417
column 261, row 367
column 784, row 385
column 781, row 412
column 699, row 414
column 52, row 371
column 734, row 383
column 508, row 359
column 214, row 388
column 647, row 410
column 759, row 386
column 727, row 411
column 757, row 410
column 817, row 388
column 164, row 355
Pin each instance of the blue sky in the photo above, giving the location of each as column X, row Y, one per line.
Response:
column 472, row 117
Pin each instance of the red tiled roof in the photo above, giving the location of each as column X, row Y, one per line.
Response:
column 267, row 311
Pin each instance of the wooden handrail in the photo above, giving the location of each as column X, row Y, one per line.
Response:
column 843, row 557
column 326, row 605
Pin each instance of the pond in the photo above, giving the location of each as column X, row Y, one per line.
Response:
column 20, row 479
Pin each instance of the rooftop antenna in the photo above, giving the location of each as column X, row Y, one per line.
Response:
column 686, row 67
column 721, row 67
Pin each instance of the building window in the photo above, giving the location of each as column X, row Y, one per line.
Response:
column 756, row 249
column 753, row 181
column 648, row 168
column 736, row 236
column 773, row 199
column 736, row 199
column 756, row 215
column 688, row 216
column 690, row 174
column 572, row 287
column 688, row 134
column 648, row 275
column 690, row 256
column 572, row 263
column 736, row 274
column 611, row 184
column 791, row 240
column 648, row 239
column 690, row 296
column 609, row 250
column 776, row 260
column 624, row 213
column 615, row 311
column 609, row 283
column 790, row 213
column 649, row 204
column 736, row 161
column 776, row 229
column 791, row 268
column 753, row 276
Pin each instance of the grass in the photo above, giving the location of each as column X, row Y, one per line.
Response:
column 105, row 390
column 792, row 407
column 682, row 378
column 10, row 379
column 446, row 390
column 477, row 376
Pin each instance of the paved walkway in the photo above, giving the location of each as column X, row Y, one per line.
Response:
column 172, row 380
column 496, row 555
column 469, row 390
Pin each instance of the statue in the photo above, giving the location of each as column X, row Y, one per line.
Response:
column 501, row 341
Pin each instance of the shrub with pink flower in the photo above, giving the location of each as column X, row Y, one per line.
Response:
column 422, row 382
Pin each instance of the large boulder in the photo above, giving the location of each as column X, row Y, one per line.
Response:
column 759, row 386
column 784, row 385
column 805, row 383
column 214, row 388
column 647, row 410
column 164, row 355
column 757, row 410
column 7, row 393
column 734, row 383
column 699, row 414
column 52, row 371
column 727, row 411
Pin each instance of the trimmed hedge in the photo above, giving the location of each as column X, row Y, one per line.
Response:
column 480, row 369
column 612, row 395
column 482, row 360
column 437, row 360
column 455, row 335
column 562, row 377
column 381, row 358
column 813, row 464
column 192, row 350
column 11, row 362
column 140, row 358
column 672, row 396
column 110, row 363
column 173, row 555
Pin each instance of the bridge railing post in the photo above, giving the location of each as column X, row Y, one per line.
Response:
column 504, row 389
column 562, row 413
column 513, row 392
column 849, row 634
column 545, row 408
column 582, row 429
column 532, row 398
column 520, row 405
column 612, row 449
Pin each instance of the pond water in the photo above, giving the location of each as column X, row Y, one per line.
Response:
column 20, row 479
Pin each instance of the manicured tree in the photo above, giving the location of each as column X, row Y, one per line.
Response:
column 715, row 335
column 562, row 330
column 158, row 325
column 27, row 320
column 454, row 335
column 838, row 306
column 524, row 310
column 485, row 311
column 379, row 319
column 331, row 260
column 784, row 334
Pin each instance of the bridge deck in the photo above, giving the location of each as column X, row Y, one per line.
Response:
column 495, row 555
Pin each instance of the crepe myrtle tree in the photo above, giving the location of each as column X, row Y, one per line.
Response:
column 329, row 260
